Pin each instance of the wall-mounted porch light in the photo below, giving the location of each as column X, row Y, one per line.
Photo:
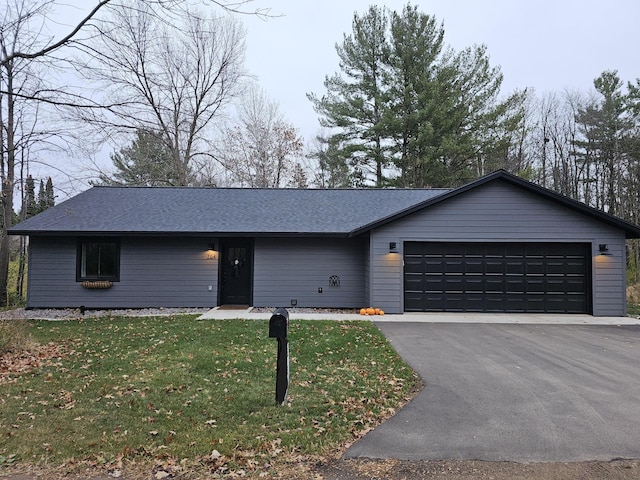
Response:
column 211, row 252
column 393, row 247
column 603, row 249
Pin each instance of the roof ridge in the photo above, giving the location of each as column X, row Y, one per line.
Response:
column 286, row 189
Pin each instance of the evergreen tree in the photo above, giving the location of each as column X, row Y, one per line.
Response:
column 146, row 162
column 607, row 146
column 333, row 170
column 410, row 110
column 355, row 104
column 416, row 112
column 298, row 177
column 30, row 205
column 33, row 205
column 48, row 193
column 42, row 197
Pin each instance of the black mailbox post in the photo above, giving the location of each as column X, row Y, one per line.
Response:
column 278, row 326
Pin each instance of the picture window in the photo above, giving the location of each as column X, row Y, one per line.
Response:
column 98, row 259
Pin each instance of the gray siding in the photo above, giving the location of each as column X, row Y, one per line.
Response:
column 286, row 269
column 153, row 273
column 497, row 212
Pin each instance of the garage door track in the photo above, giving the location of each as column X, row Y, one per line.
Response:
column 524, row 393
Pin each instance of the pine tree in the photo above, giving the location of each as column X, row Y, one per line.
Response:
column 42, row 197
column 146, row 162
column 30, row 205
column 333, row 170
column 409, row 112
column 48, row 193
column 418, row 105
column 607, row 144
column 355, row 103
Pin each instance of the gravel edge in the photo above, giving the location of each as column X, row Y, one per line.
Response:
column 75, row 313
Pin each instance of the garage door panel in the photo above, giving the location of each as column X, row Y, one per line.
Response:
column 455, row 303
column 575, row 268
column 454, row 265
column 454, row 284
column 535, row 267
column 497, row 277
column 475, row 284
column 514, row 267
column 535, row 303
column 474, row 265
column 495, row 284
column 495, row 302
column 516, row 285
column 413, row 265
column 433, row 266
column 516, row 304
column 434, row 284
column 494, row 266
column 536, row 285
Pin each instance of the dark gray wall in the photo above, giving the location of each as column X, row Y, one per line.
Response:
column 498, row 212
column 286, row 269
column 172, row 272
column 177, row 272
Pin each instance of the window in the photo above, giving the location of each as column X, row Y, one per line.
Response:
column 98, row 259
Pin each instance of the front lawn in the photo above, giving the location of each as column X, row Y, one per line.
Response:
column 186, row 394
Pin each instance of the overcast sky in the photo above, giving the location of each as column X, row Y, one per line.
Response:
column 550, row 45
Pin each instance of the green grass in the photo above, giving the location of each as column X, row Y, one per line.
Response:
column 633, row 309
column 174, row 387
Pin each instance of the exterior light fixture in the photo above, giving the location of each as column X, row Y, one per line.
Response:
column 393, row 247
column 603, row 248
column 211, row 253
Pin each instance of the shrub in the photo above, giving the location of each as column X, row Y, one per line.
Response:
column 14, row 336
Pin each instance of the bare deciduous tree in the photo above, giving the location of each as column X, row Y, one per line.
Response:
column 22, row 131
column 41, row 10
column 262, row 150
column 171, row 80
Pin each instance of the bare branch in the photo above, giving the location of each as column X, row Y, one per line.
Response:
column 55, row 46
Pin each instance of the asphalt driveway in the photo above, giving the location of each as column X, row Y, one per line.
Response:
column 524, row 393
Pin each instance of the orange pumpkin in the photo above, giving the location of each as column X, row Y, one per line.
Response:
column 377, row 311
column 371, row 311
column 381, row 312
column 363, row 311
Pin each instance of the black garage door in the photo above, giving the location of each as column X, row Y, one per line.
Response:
column 497, row 277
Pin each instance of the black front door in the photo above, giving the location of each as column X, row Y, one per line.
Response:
column 236, row 272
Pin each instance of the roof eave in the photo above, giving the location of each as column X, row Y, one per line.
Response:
column 102, row 233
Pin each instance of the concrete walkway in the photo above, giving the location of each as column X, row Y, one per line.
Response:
column 493, row 318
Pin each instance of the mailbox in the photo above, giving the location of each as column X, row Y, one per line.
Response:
column 279, row 323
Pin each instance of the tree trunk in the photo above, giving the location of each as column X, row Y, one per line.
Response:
column 8, row 181
column 22, row 261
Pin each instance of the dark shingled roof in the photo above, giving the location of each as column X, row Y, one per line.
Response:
column 260, row 212
column 227, row 211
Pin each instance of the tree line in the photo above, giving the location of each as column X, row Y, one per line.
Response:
column 164, row 83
